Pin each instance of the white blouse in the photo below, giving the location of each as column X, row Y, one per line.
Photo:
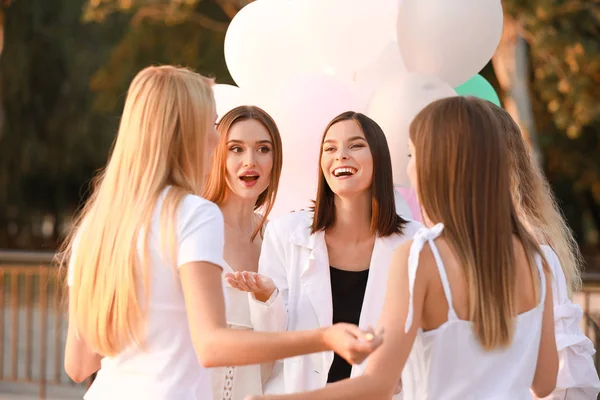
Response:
column 577, row 375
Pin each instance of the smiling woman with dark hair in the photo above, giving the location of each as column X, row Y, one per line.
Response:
column 330, row 264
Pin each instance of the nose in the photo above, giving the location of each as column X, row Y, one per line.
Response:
column 342, row 154
column 249, row 159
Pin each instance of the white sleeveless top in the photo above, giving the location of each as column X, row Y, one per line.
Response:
column 235, row 383
column 449, row 363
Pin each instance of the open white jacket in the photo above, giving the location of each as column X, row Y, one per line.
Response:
column 299, row 266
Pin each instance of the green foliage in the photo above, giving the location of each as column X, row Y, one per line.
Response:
column 62, row 83
column 564, row 44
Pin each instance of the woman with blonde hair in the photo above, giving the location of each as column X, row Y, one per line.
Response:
column 538, row 210
column 146, row 302
column 243, row 182
column 468, row 309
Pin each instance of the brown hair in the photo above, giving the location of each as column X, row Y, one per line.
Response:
column 384, row 220
column 462, row 164
column 216, row 186
column 535, row 202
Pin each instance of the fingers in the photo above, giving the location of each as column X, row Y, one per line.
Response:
column 245, row 281
column 362, row 343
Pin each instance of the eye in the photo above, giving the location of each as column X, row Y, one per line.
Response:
column 264, row 149
column 328, row 149
column 235, row 149
column 357, row 145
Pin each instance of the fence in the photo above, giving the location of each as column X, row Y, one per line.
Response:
column 33, row 321
column 33, row 324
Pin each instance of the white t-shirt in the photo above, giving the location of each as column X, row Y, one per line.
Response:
column 167, row 367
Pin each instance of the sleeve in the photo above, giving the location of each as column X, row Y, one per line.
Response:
column 271, row 315
column 200, row 234
column 577, row 375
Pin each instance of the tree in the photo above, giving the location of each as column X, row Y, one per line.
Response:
column 51, row 143
column 563, row 79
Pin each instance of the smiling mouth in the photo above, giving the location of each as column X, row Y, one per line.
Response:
column 344, row 171
column 249, row 178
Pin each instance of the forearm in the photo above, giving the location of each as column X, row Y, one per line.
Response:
column 80, row 362
column 239, row 347
column 362, row 387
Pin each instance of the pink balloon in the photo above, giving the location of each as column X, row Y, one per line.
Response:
column 302, row 109
column 412, row 202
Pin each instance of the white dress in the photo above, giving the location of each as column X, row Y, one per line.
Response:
column 449, row 363
column 235, row 383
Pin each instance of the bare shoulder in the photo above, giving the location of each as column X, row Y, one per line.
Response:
column 425, row 258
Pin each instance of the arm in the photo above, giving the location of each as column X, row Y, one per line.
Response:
column 385, row 366
column 216, row 345
column 80, row 360
column 200, row 252
column 544, row 380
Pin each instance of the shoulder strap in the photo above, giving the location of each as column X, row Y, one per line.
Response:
column 423, row 235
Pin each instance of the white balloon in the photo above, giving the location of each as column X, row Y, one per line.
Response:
column 345, row 35
column 302, row 108
column 388, row 65
column 228, row 97
column 452, row 40
column 395, row 105
column 262, row 45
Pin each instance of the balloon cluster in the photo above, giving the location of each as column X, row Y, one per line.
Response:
column 305, row 61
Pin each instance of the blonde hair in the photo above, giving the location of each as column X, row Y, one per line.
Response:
column 467, row 188
column 216, row 185
column 161, row 142
column 536, row 205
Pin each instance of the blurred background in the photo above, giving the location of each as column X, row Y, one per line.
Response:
column 64, row 69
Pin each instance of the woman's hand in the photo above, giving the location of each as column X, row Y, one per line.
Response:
column 352, row 343
column 246, row 281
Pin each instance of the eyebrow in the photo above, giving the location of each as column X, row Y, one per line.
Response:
column 242, row 142
column 350, row 140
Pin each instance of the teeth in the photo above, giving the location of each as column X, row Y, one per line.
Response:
column 344, row 171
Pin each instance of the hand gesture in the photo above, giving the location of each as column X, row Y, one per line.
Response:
column 246, row 281
column 352, row 343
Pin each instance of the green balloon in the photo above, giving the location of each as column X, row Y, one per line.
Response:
column 478, row 86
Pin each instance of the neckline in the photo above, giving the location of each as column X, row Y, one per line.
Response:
column 351, row 272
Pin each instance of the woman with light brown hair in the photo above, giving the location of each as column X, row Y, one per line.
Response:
column 145, row 260
column 246, row 167
column 468, row 311
column 539, row 212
